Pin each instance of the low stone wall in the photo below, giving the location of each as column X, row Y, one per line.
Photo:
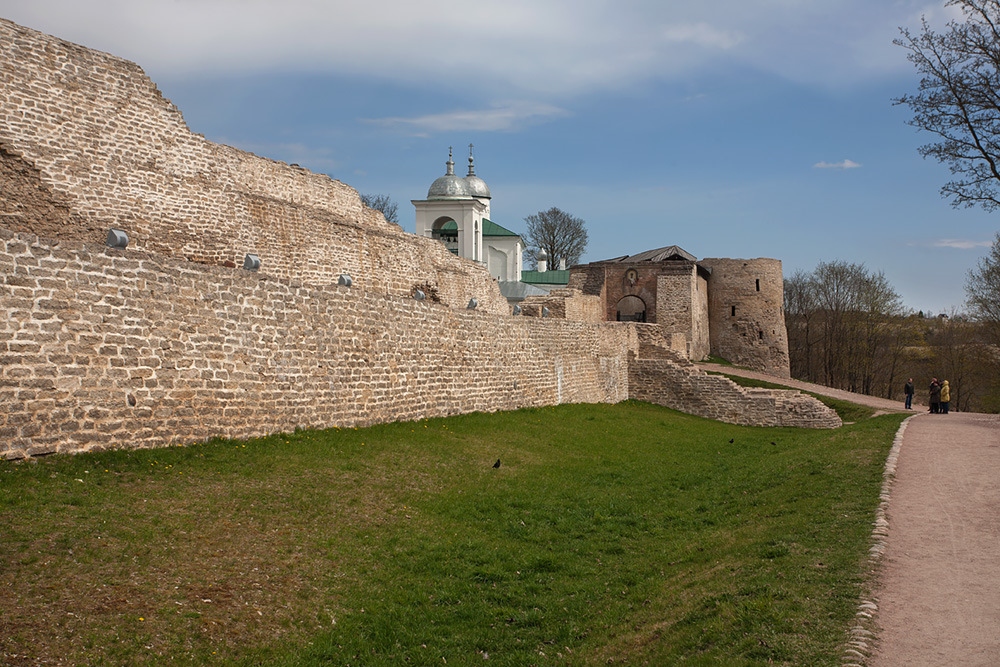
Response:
column 112, row 348
column 680, row 385
column 565, row 303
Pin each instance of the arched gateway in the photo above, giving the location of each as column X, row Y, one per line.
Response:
column 631, row 309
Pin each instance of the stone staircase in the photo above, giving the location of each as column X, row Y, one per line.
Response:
column 663, row 376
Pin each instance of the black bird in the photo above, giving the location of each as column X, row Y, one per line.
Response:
column 731, row 440
column 497, row 464
column 774, row 443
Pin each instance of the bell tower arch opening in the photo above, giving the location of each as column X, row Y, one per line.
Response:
column 445, row 229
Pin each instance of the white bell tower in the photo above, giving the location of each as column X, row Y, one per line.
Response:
column 454, row 211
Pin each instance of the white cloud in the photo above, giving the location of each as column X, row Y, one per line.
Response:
column 702, row 34
column 510, row 48
column 960, row 244
column 501, row 118
column 843, row 164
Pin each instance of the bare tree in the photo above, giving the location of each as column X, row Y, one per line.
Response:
column 879, row 308
column 958, row 99
column 982, row 289
column 561, row 235
column 384, row 205
column 836, row 285
column 800, row 312
column 958, row 358
column 846, row 328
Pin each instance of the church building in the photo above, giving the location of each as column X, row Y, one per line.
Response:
column 457, row 212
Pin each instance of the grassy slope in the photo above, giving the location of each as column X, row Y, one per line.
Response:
column 629, row 532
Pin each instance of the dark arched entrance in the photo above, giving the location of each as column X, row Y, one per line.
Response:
column 631, row 309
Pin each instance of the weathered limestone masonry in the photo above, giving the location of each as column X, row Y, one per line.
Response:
column 746, row 311
column 124, row 348
column 87, row 142
column 682, row 301
column 565, row 303
column 665, row 377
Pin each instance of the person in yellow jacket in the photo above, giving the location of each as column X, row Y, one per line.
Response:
column 945, row 397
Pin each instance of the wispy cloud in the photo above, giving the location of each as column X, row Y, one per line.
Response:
column 843, row 164
column 961, row 244
column 521, row 47
column 703, row 34
column 501, row 118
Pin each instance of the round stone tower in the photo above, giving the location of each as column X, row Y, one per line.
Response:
column 746, row 316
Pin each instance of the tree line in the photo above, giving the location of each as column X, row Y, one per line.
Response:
column 848, row 329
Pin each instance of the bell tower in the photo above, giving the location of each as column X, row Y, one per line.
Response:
column 454, row 211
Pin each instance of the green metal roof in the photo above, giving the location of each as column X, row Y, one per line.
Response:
column 547, row 278
column 491, row 228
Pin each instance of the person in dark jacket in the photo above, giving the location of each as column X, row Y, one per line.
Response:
column 935, row 396
column 908, row 389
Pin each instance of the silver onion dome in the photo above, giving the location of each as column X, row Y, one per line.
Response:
column 449, row 186
column 477, row 187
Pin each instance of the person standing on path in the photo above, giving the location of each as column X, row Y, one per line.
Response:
column 945, row 397
column 934, row 397
column 908, row 390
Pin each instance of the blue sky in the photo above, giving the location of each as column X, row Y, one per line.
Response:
column 732, row 128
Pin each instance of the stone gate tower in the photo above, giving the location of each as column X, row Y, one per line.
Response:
column 746, row 313
column 730, row 308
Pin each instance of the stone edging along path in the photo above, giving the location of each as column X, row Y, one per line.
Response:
column 863, row 632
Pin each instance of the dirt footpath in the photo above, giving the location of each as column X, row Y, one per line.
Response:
column 938, row 592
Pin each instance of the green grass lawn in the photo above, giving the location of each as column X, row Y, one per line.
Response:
column 625, row 533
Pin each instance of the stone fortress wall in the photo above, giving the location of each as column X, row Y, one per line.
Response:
column 115, row 347
column 90, row 143
column 169, row 341
column 661, row 374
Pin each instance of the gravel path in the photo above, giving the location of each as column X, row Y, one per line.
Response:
column 938, row 593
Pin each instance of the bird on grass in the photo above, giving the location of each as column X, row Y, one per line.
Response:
column 731, row 440
column 497, row 464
